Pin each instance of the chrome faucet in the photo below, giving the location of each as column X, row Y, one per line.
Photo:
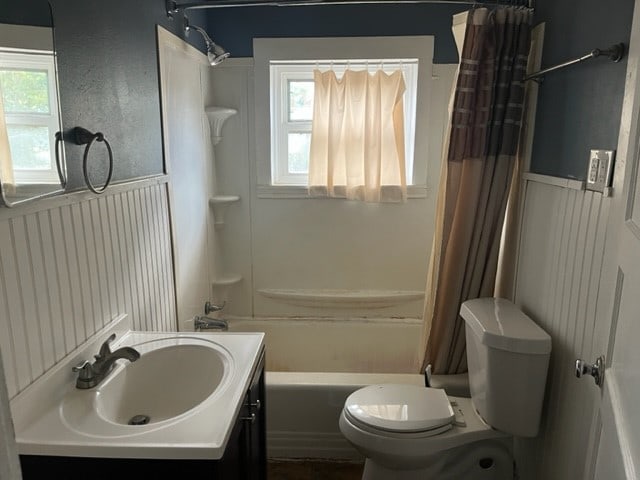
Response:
column 202, row 322
column 91, row 374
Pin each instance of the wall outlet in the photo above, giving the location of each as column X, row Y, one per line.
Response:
column 600, row 170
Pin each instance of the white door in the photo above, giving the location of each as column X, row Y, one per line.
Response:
column 618, row 449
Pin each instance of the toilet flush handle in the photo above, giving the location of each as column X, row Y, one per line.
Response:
column 596, row 370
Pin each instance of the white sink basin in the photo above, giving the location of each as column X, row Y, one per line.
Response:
column 189, row 386
column 162, row 384
column 172, row 376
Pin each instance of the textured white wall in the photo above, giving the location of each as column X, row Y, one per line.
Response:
column 301, row 243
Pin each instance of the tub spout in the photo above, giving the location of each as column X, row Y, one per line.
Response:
column 201, row 322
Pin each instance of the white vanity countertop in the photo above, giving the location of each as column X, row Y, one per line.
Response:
column 42, row 428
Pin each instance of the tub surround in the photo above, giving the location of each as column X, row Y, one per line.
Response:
column 200, row 433
column 321, row 344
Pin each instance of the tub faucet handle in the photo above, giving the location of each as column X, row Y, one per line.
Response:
column 210, row 307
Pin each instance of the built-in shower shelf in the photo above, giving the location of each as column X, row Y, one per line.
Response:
column 226, row 281
column 217, row 116
column 221, row 286
column 321, row 298
column 219, row 204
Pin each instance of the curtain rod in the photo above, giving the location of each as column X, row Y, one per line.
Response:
column 174, row 7
column 615, row 54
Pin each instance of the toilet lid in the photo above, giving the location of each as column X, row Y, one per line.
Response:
column 400, row 408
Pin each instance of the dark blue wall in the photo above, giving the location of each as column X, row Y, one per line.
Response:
column 108, row 73
column 235, row 28
column 579, row 107
column 26, row 12
column 109, row 77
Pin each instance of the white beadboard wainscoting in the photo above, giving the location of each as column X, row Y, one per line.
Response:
column 559, row 269
column 69, row 265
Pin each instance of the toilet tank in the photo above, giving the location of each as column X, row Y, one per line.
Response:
column 507, row 356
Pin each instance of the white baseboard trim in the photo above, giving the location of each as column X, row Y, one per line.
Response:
column 323, row 445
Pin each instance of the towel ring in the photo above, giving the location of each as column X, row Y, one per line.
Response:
column 61, row 174
column 85, row 137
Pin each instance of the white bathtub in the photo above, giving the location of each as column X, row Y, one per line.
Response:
column 303, row 410
column 304, row 399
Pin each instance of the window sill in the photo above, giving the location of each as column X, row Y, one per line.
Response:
column 300, row 192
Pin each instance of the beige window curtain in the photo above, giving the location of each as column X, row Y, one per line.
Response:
column 6, row 165
column 357, row 139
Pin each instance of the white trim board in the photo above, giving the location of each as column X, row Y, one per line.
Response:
column 49, row 203
column 556, row 181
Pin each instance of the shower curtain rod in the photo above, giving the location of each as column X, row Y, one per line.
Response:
column 174, row 7
column 614, row 52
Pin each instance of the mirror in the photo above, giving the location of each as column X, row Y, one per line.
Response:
column 30, row 167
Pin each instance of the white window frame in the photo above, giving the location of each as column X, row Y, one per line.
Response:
column 340, row 50
column 283, row 72
column 19, row 59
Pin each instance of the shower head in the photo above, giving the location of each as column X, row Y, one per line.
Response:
column 215, row 53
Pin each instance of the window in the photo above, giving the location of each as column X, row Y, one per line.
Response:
column 27, row 82
column 295, row 55
column 291, row 93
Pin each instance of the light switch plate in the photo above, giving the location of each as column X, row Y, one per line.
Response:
column 600, row 170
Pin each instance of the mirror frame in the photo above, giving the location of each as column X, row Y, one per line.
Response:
column 59, row 150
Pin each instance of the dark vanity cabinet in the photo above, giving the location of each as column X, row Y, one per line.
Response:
column 246, row 453
column 245, row 456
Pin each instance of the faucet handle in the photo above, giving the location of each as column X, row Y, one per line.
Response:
column 212, row 307
column 105, row 349
column 84, row 369
column 86, row 375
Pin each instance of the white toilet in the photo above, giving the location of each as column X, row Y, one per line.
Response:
column 409, row 432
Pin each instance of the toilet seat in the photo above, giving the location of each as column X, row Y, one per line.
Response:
column 400, row 409
column 405, row 451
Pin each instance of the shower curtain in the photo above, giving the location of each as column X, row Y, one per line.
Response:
column 476, row 178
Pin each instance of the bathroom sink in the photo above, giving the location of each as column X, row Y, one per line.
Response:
column 162, row 384
column 172, row 377
column 180, row 399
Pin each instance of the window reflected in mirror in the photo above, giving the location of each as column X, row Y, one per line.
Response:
column 29, row 114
